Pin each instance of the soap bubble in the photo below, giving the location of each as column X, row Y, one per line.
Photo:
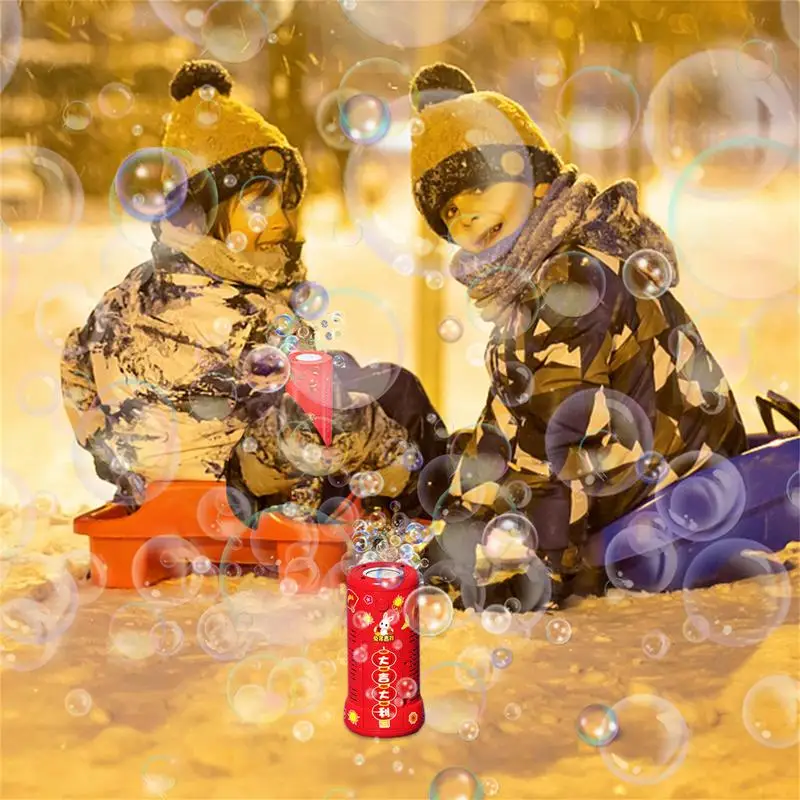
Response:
column 364, row 119
column 450, row 330
column 38, row 394
column 48, row 205
column 655, row 644
column 130, row 629
column 159, row 775
column 509, row 537
column 793, row 490
column 432, row 489
column 78, row 702
column 745, row 174
column 166, row 558
column 366, row 484
column 757, row 59
column 642, row 556
column 696, row 629
column 652, row 467
column 329, row 121
column 11, row 39
column 496, row 619
column 151, row 184
column 598, row 107
column 266, row 369
column 514, row 384
column 115, row 100
column 77, row 116
column 167, row 637
column 367, row 92
column 469, row 730
column 59, row 307
column 766, row 591
column 558, row 631
column 647, row 274
column 502, row 658
column 453, row 693
column 309, row 300
column 223, row 635
column 597, row 725
column 475, row 669
column 407, row 688
column 574, row 283
column 770, row 711
column 429, row 611
column 406, row 25
column 455, row 783
column 708, row 85
column 301, row 681
column 235, row 32
column 601, row 459
column 652, row 743
column 705, row 505
column 512, row 711
column 303, row 730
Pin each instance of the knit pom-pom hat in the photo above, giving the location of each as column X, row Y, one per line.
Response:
column 466, row 139
column 224, row 143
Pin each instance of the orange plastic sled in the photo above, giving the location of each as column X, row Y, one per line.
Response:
column 198, row 512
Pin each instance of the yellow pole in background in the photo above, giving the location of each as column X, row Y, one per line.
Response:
column 429, row 308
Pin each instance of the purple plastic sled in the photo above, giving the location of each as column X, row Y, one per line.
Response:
column 694, row 532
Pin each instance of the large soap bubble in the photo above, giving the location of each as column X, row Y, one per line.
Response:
column 598, row 107
column 42, row 199
column 758, row 606
column 642, row 556
column 597, row 437
column 770, row 711
column 705, row 505
column 755, row 193
column 704, row 101
column 652, row 743
column 407, row 23
column 151, row 184
column 230, row 30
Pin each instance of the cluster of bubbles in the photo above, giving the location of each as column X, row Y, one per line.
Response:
column 380, row 537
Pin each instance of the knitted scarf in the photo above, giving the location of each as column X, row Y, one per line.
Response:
column 572, row 212
column 278, row 268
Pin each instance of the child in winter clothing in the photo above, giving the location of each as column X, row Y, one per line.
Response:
column 602, row 389
column 153, row 382
column 169, row 372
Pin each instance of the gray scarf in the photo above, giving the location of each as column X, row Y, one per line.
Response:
column 572, row 212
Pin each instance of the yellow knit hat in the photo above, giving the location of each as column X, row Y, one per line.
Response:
column 465, row 139
column 223, row 143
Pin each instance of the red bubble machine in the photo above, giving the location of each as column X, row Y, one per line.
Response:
column 383, row 698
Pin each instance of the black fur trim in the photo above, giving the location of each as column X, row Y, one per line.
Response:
column 476, row 168
column 193, row 74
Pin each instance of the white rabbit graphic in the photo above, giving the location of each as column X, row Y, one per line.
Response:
column 384, row 627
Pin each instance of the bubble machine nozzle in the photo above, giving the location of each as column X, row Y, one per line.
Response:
column 311, row 386
column 383, row 698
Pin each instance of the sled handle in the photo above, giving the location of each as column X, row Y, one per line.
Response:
column 775, row 403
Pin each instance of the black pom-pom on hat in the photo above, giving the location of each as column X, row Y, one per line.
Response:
column 438, row 82
column 193, row 74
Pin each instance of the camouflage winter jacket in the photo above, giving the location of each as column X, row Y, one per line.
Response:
column 152, row 382
column 588, row 413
